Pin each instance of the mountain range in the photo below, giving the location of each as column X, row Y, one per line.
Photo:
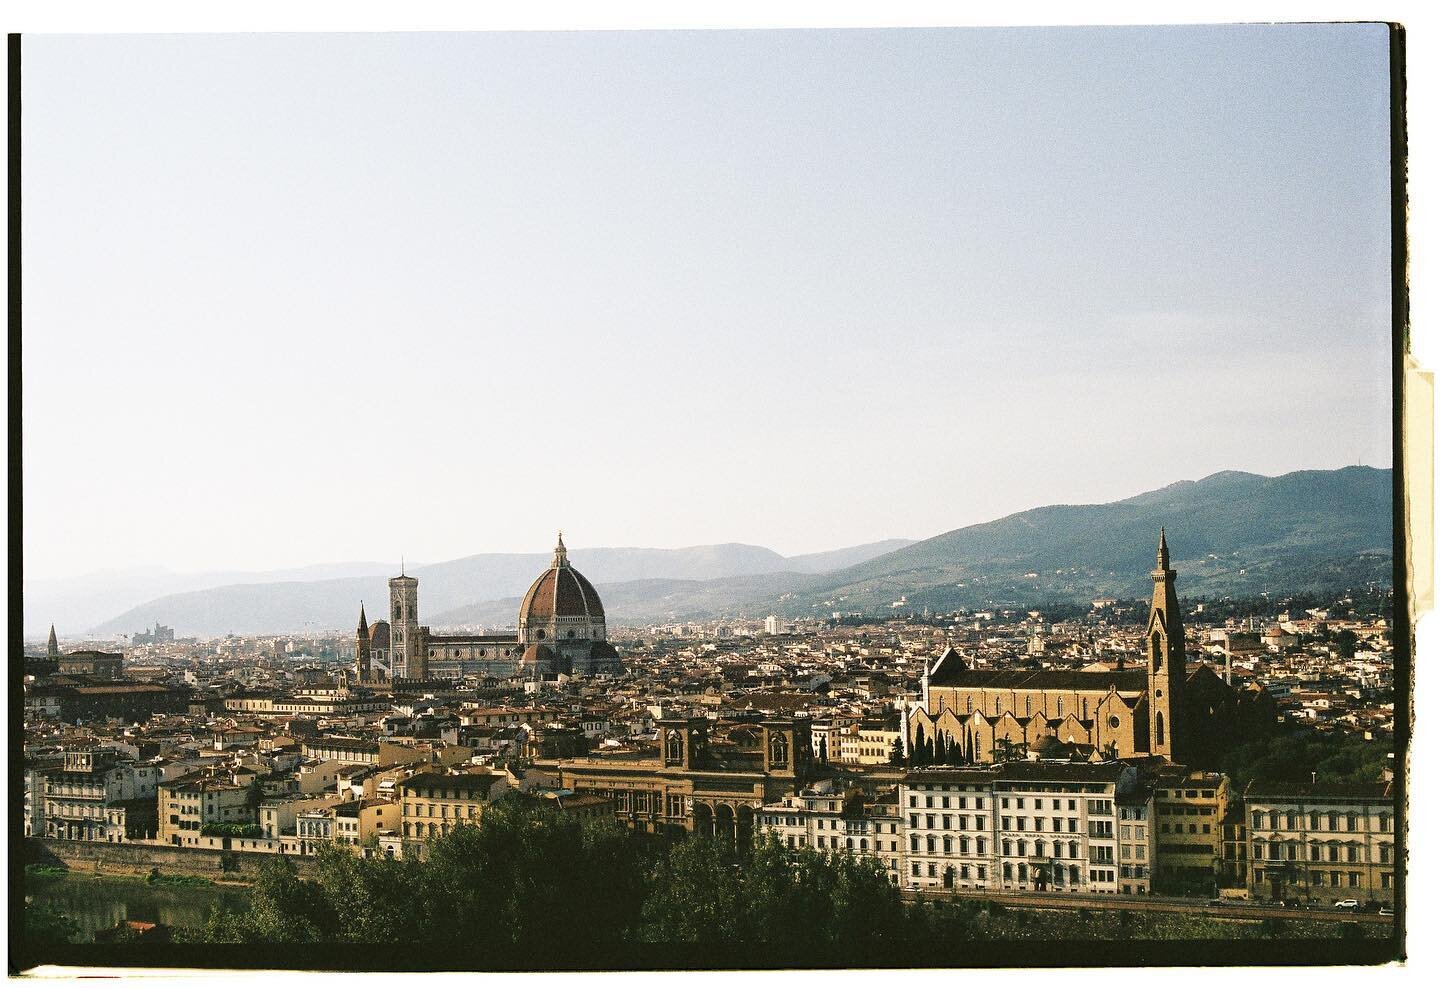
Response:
column 1229, row 533
column 302, row 600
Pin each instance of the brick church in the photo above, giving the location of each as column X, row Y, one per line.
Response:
column 1153, row 708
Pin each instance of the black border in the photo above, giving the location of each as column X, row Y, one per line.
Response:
column 1047, row 954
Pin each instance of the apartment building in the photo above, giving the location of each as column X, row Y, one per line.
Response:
column 89, row 782
column 1316, row 842
column 870, row 742
column 828, row 821
column 359, row 820
column 1042, row 826
column 433, row 804
column 194, row 801
column 1136, row 840
column 1190, row 810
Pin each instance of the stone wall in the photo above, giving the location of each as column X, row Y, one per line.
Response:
column 140, row 859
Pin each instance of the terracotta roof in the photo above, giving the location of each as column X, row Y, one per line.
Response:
column 560, row 591
column 1265, row 789
column 380, row 634
column 1125, row 681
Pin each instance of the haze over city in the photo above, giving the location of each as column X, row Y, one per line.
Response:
column 294, row 300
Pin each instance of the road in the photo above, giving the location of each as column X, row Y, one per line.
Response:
column 1153, row 904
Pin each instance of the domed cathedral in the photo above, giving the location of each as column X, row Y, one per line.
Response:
column 562, row 623
column 1154, row 707
column 561, row 632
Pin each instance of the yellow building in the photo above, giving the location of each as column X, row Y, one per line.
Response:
column 191, row 802
column 1320, row 843
column 359, row 820
column 869, row 742
column 710, row 781
column 1190, row 810
column 432, row 805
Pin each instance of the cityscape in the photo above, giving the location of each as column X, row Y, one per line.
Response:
column 1134, row 753
column 653, row 500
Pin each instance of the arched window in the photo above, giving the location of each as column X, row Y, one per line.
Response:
column 1159, row 728
column 1155, row 650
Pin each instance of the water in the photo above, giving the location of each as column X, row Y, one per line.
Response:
column 98, row 903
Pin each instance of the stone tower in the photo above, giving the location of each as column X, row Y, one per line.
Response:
column 407, row 645
column 52, row 648
column 1165, row 645
column 362, row 647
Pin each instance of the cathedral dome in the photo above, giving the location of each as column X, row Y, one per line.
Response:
column 560, row 592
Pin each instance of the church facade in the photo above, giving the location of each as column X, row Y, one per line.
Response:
column 561, row 631
column 1153, row 708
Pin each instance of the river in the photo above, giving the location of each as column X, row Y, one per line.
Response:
column 99, row 902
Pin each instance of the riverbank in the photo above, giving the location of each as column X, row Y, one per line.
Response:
column 221, row 866
column 153, row 877
column 95, row 902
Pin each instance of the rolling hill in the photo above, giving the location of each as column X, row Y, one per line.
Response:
column 256, row 607
column 1230, row 533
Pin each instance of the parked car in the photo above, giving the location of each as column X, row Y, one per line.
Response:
column 1386, row 911
column 1348, row 904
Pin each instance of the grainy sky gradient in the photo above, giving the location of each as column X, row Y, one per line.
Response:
column 306, row 298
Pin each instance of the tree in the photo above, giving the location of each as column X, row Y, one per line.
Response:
column 47, row 925
column 254, row 795
column 283, row 909
column 1345, row 643
column 897, row 753
column 507, row 881
column 918, row 747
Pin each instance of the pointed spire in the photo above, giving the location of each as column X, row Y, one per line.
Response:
column 561, row 559
column 1162, row 554
column 362, row 627
column 52, row 647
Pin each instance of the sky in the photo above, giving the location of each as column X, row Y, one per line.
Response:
column 295, row 299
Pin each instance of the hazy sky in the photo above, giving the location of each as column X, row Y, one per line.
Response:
column 305, row 298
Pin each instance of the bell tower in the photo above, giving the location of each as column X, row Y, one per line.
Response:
column 407, row 645
column 362, row 648
column 1165, row 658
